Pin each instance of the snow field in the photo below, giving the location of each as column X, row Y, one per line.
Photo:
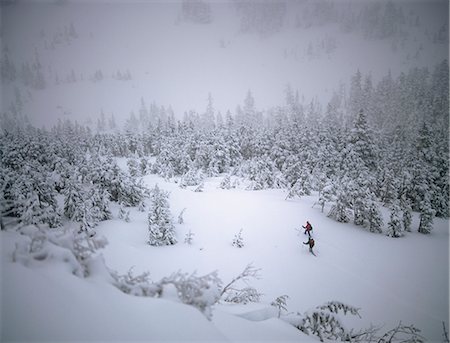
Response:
column 389, row 279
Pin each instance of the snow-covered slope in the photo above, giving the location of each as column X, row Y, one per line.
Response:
column 389, row 279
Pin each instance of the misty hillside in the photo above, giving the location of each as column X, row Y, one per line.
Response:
column 176, row 54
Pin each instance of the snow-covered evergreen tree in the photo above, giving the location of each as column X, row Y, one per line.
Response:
column 426, row 216
column 395, row 227
column 160, row 225
column 339, row 210
column 407, row 214
column 100, row 203
column 374, row 217
column 226, row 182
column 301, row 187
column 133, row 167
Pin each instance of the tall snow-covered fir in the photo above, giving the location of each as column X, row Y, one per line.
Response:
column 160, row 223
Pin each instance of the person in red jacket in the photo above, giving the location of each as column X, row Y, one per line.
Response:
column 308, row 228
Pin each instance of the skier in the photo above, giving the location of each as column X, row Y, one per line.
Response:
column 311, row 244
column 308, row 228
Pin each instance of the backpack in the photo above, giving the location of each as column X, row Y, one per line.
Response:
column 311, row 243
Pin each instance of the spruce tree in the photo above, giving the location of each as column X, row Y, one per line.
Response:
column 426, row 216
column 407, row 213
column 374, row 218
column 395, row 228
column 160, row 225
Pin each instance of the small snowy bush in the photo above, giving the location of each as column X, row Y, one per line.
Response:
column 231, row 293
column 238, row 241
column 75, row 249
column 189, row 237
column 201, row 292
column 226, row 182
column 243, row 296
column 124, row 214
column 323, row 322
column 138, row 285
column 180, row 216
column 200, row 187
column 280, row 303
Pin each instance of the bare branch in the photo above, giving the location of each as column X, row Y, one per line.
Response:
column 249, row 272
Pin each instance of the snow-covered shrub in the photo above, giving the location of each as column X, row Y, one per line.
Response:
column 138, row 285
column 226, row 182
column 75, row 249
column 180, row 216
column 201, row 292
column 280, row 303
column 323, row 321
column 200, row 187
column 189, row 237
column 231, row 293
column 124, row 214
column 160, row 225
column 243, row 296
column 238, row 241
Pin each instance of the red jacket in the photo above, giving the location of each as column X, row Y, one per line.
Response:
column 308, row 227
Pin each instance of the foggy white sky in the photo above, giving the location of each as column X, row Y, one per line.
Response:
column 177, row 63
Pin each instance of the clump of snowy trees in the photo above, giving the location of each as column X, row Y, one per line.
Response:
column 383, row 144
column 51, row 177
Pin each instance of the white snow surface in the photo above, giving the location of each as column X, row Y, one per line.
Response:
column 390, row 280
